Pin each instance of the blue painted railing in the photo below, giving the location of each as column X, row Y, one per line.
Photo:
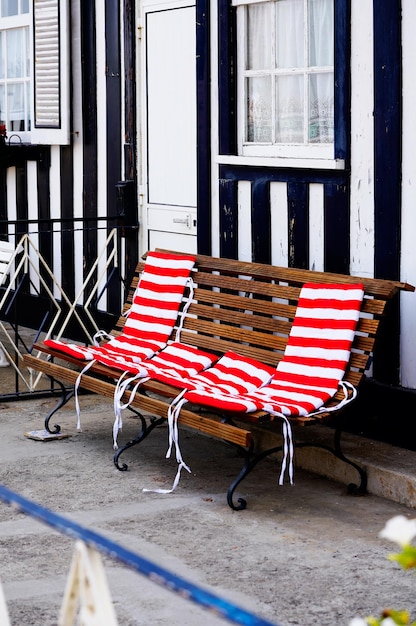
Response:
column 157, row 574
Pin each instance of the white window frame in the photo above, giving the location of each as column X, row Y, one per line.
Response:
column 49, row 72
column 9, row 23
column 281, row 155
column 50, row 31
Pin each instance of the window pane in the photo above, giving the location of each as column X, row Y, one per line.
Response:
column 16, row 105
column 258, row 36
column 29, row 121
column 25, row 6
column 15, row 53
column 289, row 109
column 321, row 108
column 321, row 32
column 2, row 62
column 259, row 110
column 26, row 60
column 2, row 105
column 9, row 7
column 289, row 33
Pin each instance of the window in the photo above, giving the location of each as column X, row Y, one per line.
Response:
column 285, row 78
column 34, row 76
column 14, row 66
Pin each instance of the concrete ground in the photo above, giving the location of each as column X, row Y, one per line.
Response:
column 306, row 554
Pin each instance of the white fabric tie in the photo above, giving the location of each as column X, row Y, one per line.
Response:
column 77, row 382
column 119, row 391
column 173, row 416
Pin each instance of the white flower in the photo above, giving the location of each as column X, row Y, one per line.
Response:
column 400, row 530
column 358, row 621
column 388, row 622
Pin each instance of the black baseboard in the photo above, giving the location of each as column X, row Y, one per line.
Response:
column 384, row 413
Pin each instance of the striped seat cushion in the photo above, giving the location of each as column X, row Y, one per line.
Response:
column 189, row 368
column 151, row 317
column 176, row 363
column 232, row 374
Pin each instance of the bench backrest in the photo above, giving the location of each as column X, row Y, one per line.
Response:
column 249, row 308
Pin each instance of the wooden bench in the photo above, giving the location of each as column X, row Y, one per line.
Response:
column 244, row 307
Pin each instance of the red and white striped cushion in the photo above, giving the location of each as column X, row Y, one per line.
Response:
column 174, row 364
column 232, row 374
column 318, row 350
column 314, row 362
column 309, row 374
column 151, row 317
column 178, row 362
column 315, row 358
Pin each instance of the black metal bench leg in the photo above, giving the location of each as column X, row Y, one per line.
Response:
column 249, row 464
column 144, row 432
column 65, row 397
column 251, row 461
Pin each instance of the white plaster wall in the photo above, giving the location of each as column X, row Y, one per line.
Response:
column 408, row 257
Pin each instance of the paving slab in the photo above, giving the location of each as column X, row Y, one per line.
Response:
column 305, row 554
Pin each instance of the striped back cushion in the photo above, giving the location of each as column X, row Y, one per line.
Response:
column 317, row 352
column 151, row 317
column 315, row 358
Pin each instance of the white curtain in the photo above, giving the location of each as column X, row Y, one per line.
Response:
column 321, row 85
column 289, row 54
column 16, row 68
column 258, row 88
column 298, row 119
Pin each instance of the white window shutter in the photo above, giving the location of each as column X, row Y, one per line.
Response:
column 50, row 107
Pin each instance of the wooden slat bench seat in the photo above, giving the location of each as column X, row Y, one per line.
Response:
column 244, row 307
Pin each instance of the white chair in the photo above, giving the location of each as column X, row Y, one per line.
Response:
column 8, row 254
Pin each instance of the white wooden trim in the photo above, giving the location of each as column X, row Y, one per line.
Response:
column 408, row 256
column 51, row 126
column 255, row 161
column 236, row 3
column 102, row 145
column 215, row 239
column 316, row 227
column 279, row 224
column 362, row 140
column 55, row 196
column 33, row 212
column 77, row 147
column 244, row 221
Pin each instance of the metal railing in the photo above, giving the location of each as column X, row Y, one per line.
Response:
column 99, row 544
column 34, row 303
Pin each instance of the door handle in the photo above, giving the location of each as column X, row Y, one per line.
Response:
column 188, row 220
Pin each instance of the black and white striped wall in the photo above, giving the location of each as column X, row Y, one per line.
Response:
column 360, row 219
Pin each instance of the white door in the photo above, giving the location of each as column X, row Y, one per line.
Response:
column 169, row 132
